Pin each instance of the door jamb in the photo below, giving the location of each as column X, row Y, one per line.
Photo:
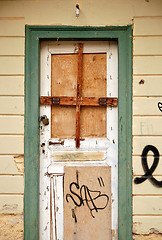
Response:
column 33, row 36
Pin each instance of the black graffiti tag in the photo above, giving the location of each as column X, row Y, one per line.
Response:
column 149, row 171
column 160, row 106
column 85, row 197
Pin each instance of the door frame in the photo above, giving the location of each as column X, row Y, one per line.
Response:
column 33, row 36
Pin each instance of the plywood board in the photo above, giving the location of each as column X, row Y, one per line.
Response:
column 93, row 122
column 150, row 205
column 147, row 106
column 87, row 203
column 147, row 65
column 147, row 46
column 147, row 125
column 64, row 83
column 94, row 83
column 147, row 86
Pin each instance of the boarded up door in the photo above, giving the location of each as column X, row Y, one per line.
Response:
column 78, row 141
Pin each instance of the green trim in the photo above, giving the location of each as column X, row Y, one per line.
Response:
column 33, row 36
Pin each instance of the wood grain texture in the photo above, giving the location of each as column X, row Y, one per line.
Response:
column 11, row 184
column 147, row 86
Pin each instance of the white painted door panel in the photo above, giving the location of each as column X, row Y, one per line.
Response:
column 55, row 154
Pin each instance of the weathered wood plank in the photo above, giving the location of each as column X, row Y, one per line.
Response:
column 11, row 184
column 11, row 105
column 12, row 46
column 11, row 144
column 148, row 26
column 12, row 85
column 147, row 46
column 147, row 188
column 9, row 164
column 11, row 65
column 147, row 86
column 147, row 224
column 12, row 28
column 147, row 205
column 84, row 101
column 140, row 142
column 147, row 126
column 138, row 169
column 147, row 65
column 11, row 204
column 11, row 124
column 146, row 106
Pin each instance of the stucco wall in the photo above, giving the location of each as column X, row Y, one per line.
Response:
column 146, row 17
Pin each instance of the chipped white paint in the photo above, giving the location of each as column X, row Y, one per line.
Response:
column 51, row 170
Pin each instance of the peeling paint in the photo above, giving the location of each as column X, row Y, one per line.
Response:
column 19, row 161
column 150, row 236
column 11, row 227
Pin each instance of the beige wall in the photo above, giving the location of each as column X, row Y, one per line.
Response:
column 146, row 17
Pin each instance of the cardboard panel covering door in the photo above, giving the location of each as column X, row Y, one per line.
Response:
column 78, row 140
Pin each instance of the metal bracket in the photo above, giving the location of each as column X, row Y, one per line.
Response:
column 103, row 101
column 56, row 101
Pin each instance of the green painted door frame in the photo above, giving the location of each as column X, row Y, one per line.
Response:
column 34, row 34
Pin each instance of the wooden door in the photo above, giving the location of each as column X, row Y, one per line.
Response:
column 78, row 141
